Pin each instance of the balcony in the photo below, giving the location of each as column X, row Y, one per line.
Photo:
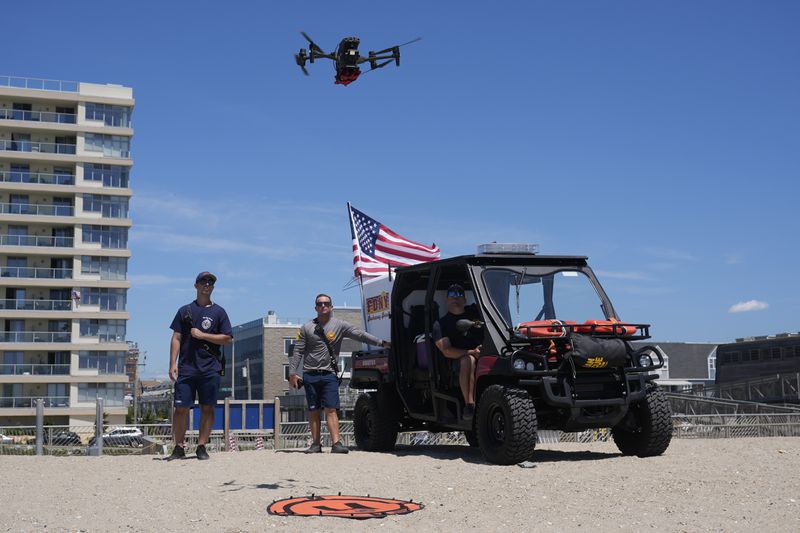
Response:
column 36, row 209
column 35, row 336
column 36, row 177
column 16, row 82
column 28, row 402
column 35, row 305
column 35, row 272
column 34, row 370
column 37, row 147
column 35, row 240
column 37, row 116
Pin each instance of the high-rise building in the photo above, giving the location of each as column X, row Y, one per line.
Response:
column 65, row 165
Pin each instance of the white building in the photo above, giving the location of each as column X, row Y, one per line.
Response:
column 64, row 191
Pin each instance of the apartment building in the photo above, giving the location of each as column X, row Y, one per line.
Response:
column 65, row 165
column 257, row 362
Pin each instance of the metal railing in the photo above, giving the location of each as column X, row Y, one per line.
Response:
column 35, row 336
column 736, row 426
column 36, row 240
column 35, row 305
column 36, row 209
column 39, row 147
column 39, row 84
column 27, row 402
column 35, row 272
column 37, row 116
column 34, row 370
column 14, row 176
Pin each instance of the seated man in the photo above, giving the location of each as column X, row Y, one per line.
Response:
column 466, row 348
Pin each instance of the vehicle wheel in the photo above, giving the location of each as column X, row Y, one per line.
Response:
column 375, row 428
column 652, row 429
column 506, row 425
column 472, row 438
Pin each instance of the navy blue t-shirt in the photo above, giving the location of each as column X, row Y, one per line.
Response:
column 197, row 357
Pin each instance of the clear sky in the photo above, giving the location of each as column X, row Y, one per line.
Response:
column 661, row 139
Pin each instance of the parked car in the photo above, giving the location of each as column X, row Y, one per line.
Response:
column 6, row 440
column 122, row 436
column 63, row 438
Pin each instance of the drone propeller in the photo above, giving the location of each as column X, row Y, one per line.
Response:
column 311, row 43
column 398, row 46
column 301, row 63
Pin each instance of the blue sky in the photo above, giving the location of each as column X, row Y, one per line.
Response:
column 658, row 138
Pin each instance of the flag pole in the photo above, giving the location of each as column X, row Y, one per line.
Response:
column 359, row 275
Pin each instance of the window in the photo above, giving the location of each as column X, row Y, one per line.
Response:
column 107, row 267
column 287, row 342
column 110, row 175
column 104, row 330
column 109, row 145
column 285, row 372
column 107, row 299
column 112, row 393
column 107, row 236
column 103, row 362
column 111, row 115
column 107, row 206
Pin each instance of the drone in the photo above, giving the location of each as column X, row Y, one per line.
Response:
column 347, row 59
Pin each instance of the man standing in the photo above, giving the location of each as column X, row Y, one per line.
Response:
column 464, row 347
column 316, row 355
column 195, row 362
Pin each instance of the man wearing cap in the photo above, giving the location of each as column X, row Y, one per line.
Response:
column 464, row 347
column 199, row 330
column 315, row 355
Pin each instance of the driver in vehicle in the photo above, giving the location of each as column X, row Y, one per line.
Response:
column 463, row 347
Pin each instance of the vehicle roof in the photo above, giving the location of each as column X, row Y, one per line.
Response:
column 501, row 259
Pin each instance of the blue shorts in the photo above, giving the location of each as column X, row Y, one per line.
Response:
column 204, row 387
column 322, row 390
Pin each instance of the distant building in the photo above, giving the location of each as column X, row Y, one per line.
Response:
column 260, row 353
column 131, row 366
column 65, row 164
column 758, row 357
column 686, row 364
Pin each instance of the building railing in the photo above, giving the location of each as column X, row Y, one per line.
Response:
column 40, row 147
column 35, row 272
column 36, row 209
column 37, row 116
column 35, row 305
column 15, row 176
column 39, row 84
column 30, row 401
column 35, row 336
column 36, row 240
column 34, row 370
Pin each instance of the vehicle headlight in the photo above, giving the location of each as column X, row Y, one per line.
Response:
column 519, row 364
column 530, row 366
column 645, row 360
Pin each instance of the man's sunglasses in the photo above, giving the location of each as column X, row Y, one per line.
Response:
column 206, row 281
column 455, row 293
column 324, row 304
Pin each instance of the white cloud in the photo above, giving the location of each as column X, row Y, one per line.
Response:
column 746, row 307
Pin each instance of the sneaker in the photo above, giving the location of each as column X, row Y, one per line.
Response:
column 177, row 453
column 201, row 453
column 314, row 448
column 469, row 411
column 338, row 447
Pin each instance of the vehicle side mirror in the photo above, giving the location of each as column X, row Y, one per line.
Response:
column 464, row 325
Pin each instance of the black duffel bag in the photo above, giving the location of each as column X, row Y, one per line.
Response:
column 591, row 352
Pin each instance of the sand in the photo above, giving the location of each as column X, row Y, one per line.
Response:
column 697, row 485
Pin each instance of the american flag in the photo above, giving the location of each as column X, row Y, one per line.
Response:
column 376, row 248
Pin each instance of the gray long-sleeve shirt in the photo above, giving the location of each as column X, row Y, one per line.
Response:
column 310, row 351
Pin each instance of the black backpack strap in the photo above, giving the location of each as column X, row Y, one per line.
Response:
column 320, row 332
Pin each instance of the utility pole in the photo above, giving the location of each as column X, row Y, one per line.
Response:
column 136, row 388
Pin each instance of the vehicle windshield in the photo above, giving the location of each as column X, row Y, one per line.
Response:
column 523, row 294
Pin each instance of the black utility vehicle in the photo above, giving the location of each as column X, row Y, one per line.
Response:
column 554, row 356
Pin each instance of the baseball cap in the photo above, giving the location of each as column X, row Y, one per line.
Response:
column 205, row 274
column 455, row 288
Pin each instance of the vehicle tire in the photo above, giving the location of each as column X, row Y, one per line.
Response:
column 472, row 438
column 653, row 426
column 506, row 425
column 375, row 428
